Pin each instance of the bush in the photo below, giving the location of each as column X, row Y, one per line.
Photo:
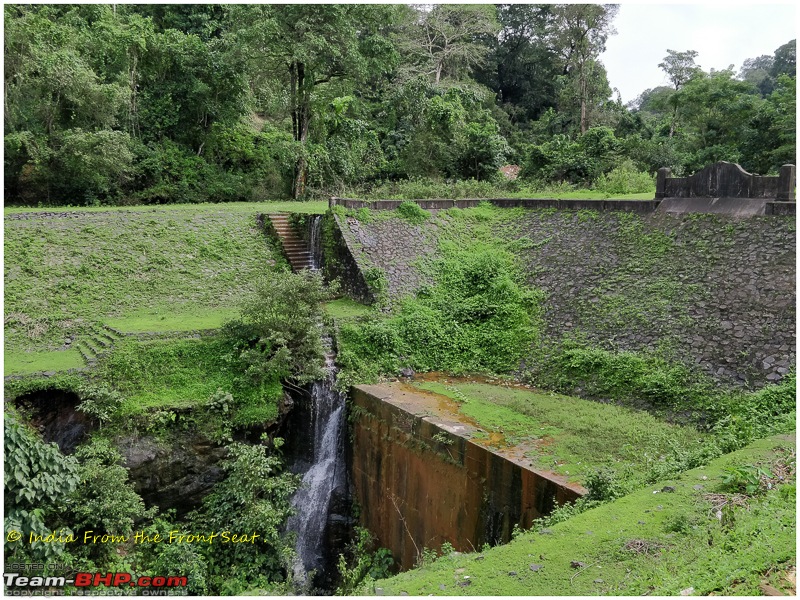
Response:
column 625, row 179
column 476, row 316
column 412, row 213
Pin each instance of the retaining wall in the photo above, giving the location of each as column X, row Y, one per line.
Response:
column 419, row 485
column 716, row 291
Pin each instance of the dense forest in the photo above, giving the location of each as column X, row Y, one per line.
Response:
column 152, row 104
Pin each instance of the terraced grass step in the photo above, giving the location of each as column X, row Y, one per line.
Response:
column 87, row 353
column 110, row 331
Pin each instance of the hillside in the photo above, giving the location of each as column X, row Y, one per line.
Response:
column 74, row 278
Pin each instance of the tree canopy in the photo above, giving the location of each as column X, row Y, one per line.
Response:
column 126, row 104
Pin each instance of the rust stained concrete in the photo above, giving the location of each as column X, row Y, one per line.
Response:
column 421, row 477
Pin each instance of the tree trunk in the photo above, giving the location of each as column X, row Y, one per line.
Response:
column 300, row 118
column 672, row 124
column 584, row 120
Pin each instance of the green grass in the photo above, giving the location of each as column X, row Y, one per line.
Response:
column 345, row 308
column 159, row 269
column 310, row 206
column 23, row 363
column 690, row 546
column 174, row 374
column 579, row 435
column 167, row 320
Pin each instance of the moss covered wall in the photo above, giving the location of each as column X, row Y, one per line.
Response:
column 709, row 290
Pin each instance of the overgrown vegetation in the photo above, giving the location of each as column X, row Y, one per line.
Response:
column 476, row 316
column 692, row 534
column 221, row 103
column 211, row 387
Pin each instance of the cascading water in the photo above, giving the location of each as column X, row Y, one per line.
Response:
column 315, row 242
column 326, row 473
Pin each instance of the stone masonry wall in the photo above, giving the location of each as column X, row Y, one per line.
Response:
column 717, row 292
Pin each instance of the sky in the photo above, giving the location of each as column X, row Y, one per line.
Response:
column 722, row 34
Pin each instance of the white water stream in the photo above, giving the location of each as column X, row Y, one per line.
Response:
column 312, row 500
column 315, row 244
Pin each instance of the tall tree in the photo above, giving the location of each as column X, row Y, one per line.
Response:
column 303, row 47
column 680, row 68
column 522, row 67
column 580, row 33
column 449, row 39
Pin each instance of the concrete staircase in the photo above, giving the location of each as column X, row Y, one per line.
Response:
column 295, row 247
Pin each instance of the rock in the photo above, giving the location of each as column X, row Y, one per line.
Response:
column 407, row 372
column 576, row 564
column 598, row 581
column 699, row 486
column 687, row 592
column 442, row 586
column 378, row 591
column 172, row 475
column 535, row 567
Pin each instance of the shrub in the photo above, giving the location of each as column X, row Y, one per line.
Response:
column 625, row 179
column 411, row 212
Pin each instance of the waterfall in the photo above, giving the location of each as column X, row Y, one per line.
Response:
column 312, row 500
column 315, row 243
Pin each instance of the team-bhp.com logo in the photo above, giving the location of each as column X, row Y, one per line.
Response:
column 86, row 580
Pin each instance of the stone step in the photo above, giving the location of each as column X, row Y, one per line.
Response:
column 294, row 246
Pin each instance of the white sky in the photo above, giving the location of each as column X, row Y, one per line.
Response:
column 722, row 34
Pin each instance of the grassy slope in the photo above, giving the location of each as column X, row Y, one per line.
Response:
column 180, row 373
column 697, row 550
column 578, row 435
column 137, row 269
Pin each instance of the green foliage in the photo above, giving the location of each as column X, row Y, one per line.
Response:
column 584, row 160
column 362, row 564
column 621, row 376
column 603, row 486
column 739, row 418
column 38, row 480
column 105, row 501
column 413, row 213
column 161, row 104
column 476, row 316
column 378, row 284
column 253, row 498
column 277, row 335
column 745, row 479
column 624, row 179
column 99, row 402
column 179, row 559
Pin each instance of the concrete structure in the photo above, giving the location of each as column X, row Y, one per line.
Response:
column 421, row 477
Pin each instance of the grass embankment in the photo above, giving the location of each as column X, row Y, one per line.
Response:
column 136, row 269
column 576, row 437
column 181, row 373
column 645, row 543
